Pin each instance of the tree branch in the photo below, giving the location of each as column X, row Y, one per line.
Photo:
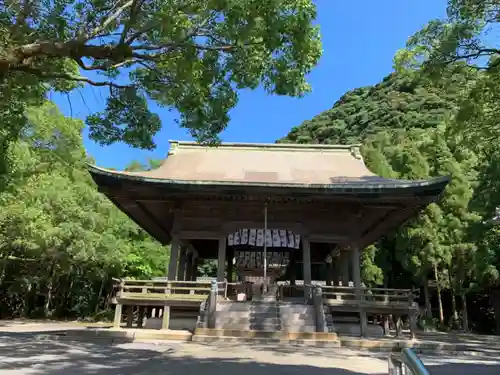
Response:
column 110, row 19
column 103, row 67
column 136, row 7
column 71, row 77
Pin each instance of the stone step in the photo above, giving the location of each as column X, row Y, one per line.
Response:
column 287, row 314
column 265, row 319
column 264, row 310
column 300, row 329
column 295, row 305
column 267, row 341
column 296, row 311
column 265, row 327
column 297, row 318
column 233, row 306
column 234, row 313
column 237, row 327
column 233, row 321
column 249, row 321
column 345, row 319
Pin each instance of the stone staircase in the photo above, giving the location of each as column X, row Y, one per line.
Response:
column 264, row 313
column 297, row 317
column 330, row 323
column 200, row 323
column 249, row 315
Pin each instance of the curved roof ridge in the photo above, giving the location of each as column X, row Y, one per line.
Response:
column 251, row 145
column 253, row 164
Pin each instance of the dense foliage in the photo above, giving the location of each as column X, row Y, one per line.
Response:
column 189, row 55
column 434, row 116
column 62, row 242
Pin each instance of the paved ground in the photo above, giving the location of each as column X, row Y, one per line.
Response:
column 24, row 354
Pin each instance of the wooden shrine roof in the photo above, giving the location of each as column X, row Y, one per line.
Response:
column 265, row 165
column 334, row 178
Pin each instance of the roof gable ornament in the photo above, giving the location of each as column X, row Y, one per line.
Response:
column 356, row 152
column 174, row 145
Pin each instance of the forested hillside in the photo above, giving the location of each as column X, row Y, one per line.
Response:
column 436, row 115
column 408, row 130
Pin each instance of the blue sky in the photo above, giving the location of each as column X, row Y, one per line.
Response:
column 359, row 38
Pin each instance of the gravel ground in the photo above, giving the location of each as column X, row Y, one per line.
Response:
column 24, row 354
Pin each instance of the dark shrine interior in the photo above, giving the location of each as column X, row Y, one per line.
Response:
column 208, row 249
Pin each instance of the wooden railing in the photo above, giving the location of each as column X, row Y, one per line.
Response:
column 233, row 289
column 375, row 297
column 290, row 291
column 163, row 290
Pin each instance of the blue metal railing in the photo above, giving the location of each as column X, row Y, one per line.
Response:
column 406, row 363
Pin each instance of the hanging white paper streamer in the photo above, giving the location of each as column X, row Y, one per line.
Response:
column 273, row 237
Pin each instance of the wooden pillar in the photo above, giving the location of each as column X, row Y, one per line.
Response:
column 329, row 273
column 130, row 316
column 165, row 322
column 230, row 259
column 221, row 259
column 189, row 266
column 293, row 275
column 194, row 274
column 118, row 308
column 306, row 259
column 181, row 269
column 344, row 267
column 140, row 317
column 118, row 316
column 356, row 268
column 174, row 254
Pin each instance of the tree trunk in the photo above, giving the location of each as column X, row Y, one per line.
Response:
column 495, row 302
column 48, row 296
column 28, row 299
column 99, row 295
column 3, row 267
column 48, row 299
column 427, row 297
column 65, row 300
column 438, row 290
column 454, row 312
column 465, row 315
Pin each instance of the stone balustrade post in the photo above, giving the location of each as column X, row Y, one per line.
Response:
column 318, row 308
column 212, row 305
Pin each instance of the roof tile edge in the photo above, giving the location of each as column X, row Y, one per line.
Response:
column 353, row 149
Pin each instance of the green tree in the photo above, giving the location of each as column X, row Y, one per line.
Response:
column 191, row 56
column 59, row 237
column 408, row 130
column 463, row 39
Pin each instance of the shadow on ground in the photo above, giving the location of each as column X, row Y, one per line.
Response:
column 25, row 354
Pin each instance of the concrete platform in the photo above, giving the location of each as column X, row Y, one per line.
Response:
column 425, row 342
column 133, row 334
column 309, row 338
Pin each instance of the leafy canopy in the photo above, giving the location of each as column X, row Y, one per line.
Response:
column 467, row 36
column 187, row 55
